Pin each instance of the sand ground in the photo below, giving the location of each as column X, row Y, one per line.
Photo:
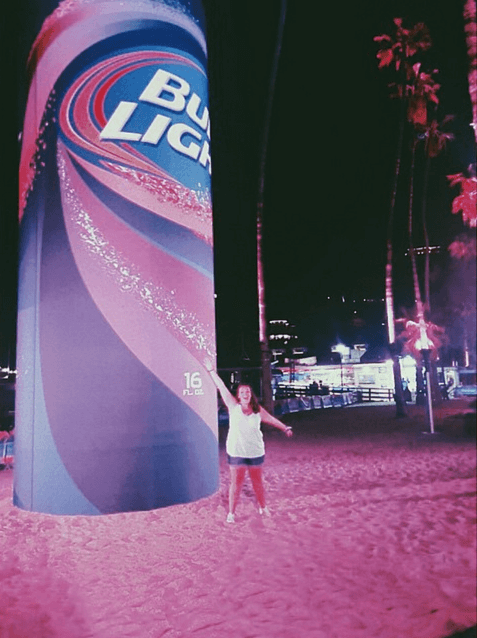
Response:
column 372, row 534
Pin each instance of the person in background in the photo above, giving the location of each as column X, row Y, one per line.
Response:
column 244, row 445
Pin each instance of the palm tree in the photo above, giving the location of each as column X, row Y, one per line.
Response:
column 397, row 51
column 411, row 333
column 422, row 90
column 267, row 396
column 415, row 279
column 464, row 246
column 435, row 140
column 424, row 342
column 466, row 201
column 406, row 43
column 471, row 41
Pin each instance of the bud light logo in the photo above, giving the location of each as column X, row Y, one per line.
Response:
column 144, row 109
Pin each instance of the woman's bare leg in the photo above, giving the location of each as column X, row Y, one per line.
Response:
column 237, row 477
column 255, row 472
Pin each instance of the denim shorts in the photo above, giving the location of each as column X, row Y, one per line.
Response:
column 242, row 460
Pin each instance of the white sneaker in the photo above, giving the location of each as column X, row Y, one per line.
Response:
column 264, row 511
column 230, row 518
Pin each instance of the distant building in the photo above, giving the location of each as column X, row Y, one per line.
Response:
column 350, row 355
column 283, row 340
column 285, row 346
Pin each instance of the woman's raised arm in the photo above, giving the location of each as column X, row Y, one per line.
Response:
column 227, row 397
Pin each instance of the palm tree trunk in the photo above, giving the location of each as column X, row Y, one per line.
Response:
column 425, row 345
column 266, row 389
column 417, row 290
column 389, row 296
column 267, row 396
column 470, row 28
column 436, row 393
column 427, row 288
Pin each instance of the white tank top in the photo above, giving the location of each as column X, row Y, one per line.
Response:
column 244, row 437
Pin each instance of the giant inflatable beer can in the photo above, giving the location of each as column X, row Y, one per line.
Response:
column 115, row 411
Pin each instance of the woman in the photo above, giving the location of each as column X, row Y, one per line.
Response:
column 244, row 445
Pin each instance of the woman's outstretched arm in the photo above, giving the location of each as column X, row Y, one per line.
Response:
column 266, row 417
column 227, row 397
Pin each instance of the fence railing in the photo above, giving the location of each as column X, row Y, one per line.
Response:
column 6, row 450
column 362, row 395
column 374, row 394
column 301, row 402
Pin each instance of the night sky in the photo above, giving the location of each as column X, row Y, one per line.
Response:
column 330, row 162
column 329, row 166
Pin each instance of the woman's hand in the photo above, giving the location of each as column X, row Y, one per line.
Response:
column 289, row 432
column 208, row 365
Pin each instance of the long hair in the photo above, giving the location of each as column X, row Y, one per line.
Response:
column 254, row 404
